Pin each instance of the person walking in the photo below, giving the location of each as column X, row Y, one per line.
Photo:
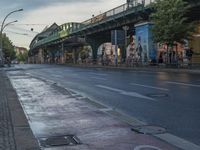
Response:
column 189, row 53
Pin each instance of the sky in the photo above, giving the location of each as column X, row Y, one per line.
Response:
column 38, row 14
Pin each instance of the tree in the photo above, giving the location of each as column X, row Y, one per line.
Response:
column 22, row 57
column 84, row 54
column 8, row 48
column 170, row 24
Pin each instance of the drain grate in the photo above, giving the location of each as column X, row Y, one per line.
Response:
column 147, row 129
column 66, row 140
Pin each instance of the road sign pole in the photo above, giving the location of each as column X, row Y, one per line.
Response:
column 116, row 49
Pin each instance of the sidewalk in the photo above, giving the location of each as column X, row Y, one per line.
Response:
column 15, row 133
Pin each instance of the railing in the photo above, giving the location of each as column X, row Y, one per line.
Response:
column 95, row 19
column 117, row 10
column 57, row 35
column 109, row 13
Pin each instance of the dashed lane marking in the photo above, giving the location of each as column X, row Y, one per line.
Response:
column 127, row 93
column 152, row 87
column 98, row 74
column 98, row 78
column 184, row 84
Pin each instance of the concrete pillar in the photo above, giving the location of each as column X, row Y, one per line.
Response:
column 95, row 41
column 63, row 54
column 40, row 56
column 74, row 56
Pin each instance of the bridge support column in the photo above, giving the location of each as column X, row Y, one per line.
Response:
column 63, row 54
column 41, row 56
column 95, row 47
column 95, row 42
column 74, row 56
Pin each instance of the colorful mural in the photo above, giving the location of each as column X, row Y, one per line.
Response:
column 145, row 47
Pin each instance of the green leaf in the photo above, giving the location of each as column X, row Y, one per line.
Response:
column 170, row 23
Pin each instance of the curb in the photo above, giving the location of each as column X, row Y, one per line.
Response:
column 24, row 138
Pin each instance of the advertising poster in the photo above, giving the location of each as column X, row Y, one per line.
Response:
column 144, row 43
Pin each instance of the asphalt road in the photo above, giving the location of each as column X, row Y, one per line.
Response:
column 169, row 100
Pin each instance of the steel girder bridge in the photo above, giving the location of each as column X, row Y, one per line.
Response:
column 97, row 30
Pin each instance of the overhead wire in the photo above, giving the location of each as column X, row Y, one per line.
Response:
column 24, row 34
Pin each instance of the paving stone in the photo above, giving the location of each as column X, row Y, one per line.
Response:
column 7, row 140
column 10, row 112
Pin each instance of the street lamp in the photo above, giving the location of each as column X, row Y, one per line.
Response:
column 9, row 24
column 125, row 28
column 1, row 32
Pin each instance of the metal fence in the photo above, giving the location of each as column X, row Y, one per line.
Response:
column 113, row 12
column 184, row 63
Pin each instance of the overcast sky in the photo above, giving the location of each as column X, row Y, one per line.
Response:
column 39, row 13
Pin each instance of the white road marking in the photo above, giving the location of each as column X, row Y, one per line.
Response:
column 72, row 74
column 185, row 84
column 56, row 76
column 98, row 78
column 98, row 74
column 133, row 94
column 152, row 87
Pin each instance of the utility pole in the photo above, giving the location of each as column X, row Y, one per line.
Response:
column 116, row 49
column 125, row 28
column 1, row 34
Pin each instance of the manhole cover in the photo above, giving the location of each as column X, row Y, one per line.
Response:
column 68, row 140
column 149, row 130
column 157, row 95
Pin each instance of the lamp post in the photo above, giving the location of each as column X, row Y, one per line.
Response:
column 1, row 32
column 125, row 28
column 8, row 24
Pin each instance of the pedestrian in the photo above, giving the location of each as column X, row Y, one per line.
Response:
column 160, row 60
column 189, row 53
column 8, row 61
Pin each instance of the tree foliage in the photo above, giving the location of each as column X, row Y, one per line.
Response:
column 8, row 48
column 85, row 52
column 22, row 57
column 170, row 23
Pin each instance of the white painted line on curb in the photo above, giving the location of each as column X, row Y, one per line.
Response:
column 133, row 94
column 178, row 142
column 184, row 84
column 152, row 87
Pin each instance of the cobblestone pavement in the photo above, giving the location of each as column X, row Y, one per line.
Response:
column 7, row 141
column 15, row 132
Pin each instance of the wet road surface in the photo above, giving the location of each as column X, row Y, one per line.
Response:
column 164, row 99
column 55, row 113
